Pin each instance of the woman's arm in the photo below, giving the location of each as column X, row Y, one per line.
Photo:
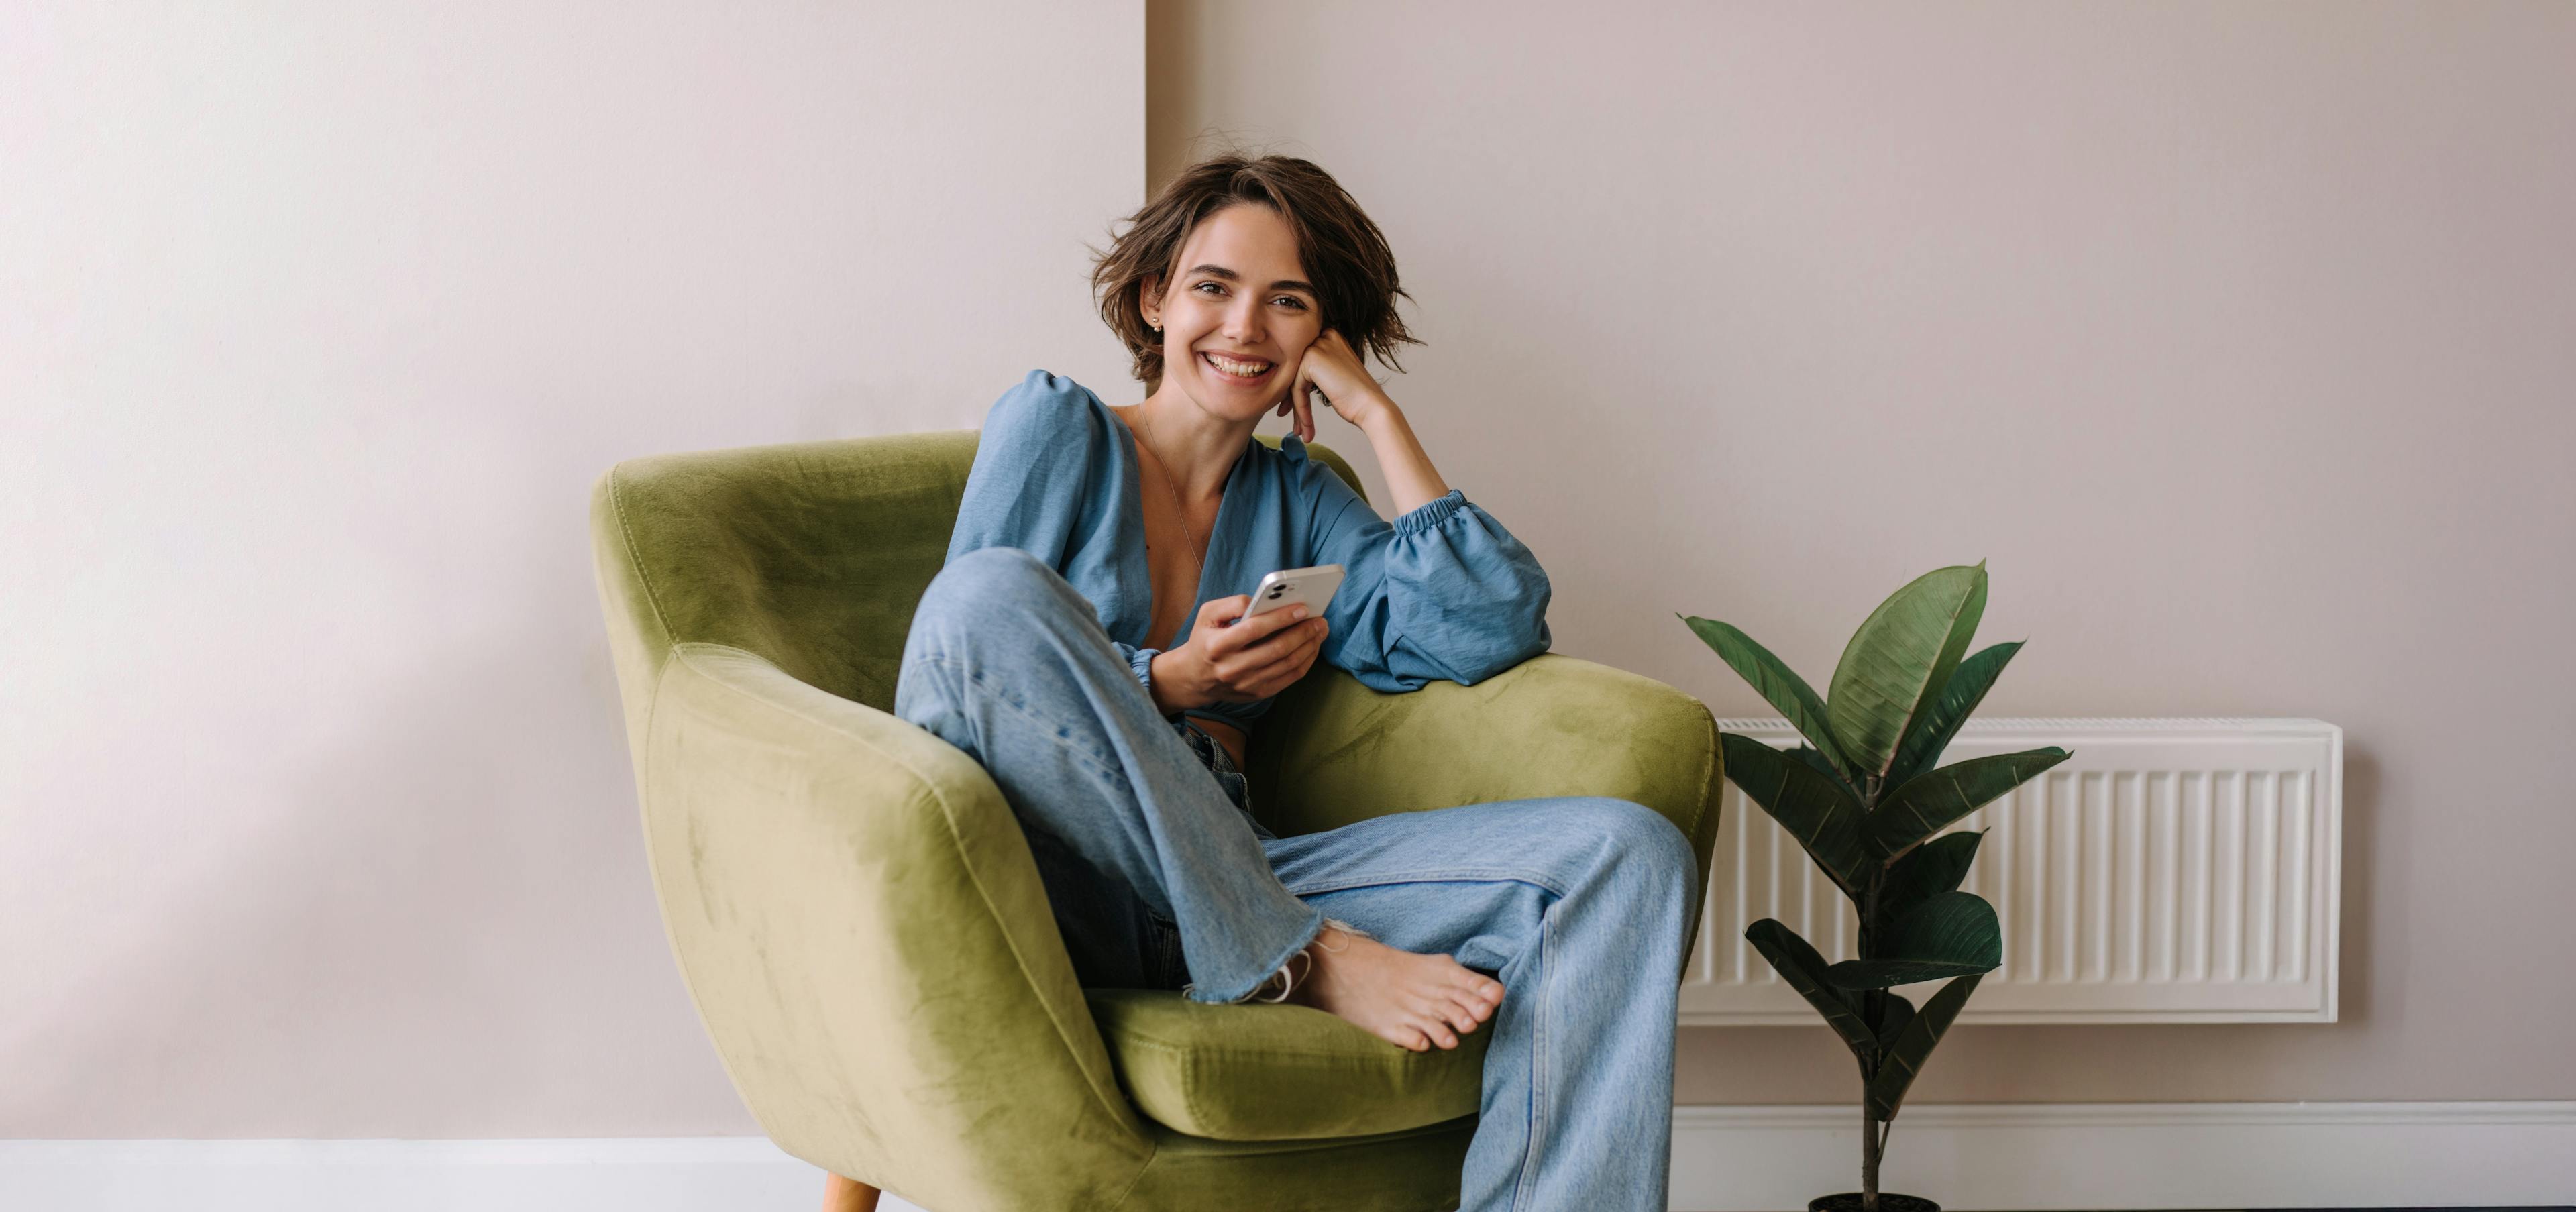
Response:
column 1443, row 591
column 1330, row 366
column 1410, row 478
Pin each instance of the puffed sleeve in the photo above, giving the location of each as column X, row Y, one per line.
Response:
column 1442, row 593
column 1032, row 474
column 1037, row 484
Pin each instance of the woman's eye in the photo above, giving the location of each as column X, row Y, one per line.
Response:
column 1291, row 300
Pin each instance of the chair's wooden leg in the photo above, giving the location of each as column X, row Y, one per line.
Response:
column 848, row 1195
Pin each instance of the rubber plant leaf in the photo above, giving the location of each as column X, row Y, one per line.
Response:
column 1823, row 765
column 1914, row 1043
column 1929, row 802
column 1804, row 969
column 1959, row 697
column 1812, row 807
column 1778, row 684
column 1949, row 934
column 1897, row 663
column 1934, row 867
column 1893, row 1011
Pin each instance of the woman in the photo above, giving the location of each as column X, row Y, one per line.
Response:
column 1076, row 643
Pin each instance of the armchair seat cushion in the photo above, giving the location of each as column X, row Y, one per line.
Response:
column 1277, row 1072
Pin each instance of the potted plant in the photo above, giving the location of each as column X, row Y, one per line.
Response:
column 1864, row 797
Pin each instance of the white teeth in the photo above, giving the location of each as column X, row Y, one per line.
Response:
column 1242, row 370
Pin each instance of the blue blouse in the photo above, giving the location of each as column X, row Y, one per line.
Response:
column 1442, row 593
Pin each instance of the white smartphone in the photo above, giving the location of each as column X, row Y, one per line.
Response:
column 1312, row 587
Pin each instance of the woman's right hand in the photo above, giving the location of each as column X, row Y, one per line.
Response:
column 1257, row 657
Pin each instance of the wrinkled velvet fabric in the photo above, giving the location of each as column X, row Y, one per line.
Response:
column 855, row 911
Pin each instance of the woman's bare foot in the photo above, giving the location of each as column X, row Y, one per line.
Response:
column 1413, row 1001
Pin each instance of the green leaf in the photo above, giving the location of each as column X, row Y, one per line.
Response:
column 1896, row 664
column 1893, row 1011
column 1947, row 927
column 1823, row 765
column 1814, row 809
column 1779, row 685
column 1800, row 965
column 1935, row 867
column 1959, row 697
column 1899, row 1064
column 1949, row 934
column 1930, row 801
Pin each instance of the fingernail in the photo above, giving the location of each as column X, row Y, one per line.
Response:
column 1297, row 612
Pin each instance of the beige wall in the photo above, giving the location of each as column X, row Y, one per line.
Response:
column 2238, row 338
column 2235, row 338
column 317, row 321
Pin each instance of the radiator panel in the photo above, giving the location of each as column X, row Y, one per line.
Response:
column 2172, row 870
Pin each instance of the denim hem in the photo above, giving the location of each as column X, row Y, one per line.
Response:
column 1305, row 937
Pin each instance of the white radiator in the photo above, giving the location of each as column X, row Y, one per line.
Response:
column 2171, row 871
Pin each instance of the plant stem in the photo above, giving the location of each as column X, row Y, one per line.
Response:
column 1873, row 1005
column 1868, row 1161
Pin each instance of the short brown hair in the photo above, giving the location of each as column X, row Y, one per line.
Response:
column 1342, row 251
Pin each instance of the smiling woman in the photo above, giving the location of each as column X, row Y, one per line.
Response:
column 1088, row 643
column 1354, row 285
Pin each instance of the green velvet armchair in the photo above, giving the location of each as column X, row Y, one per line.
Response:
column 860, row 924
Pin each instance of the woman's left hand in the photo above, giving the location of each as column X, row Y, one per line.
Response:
column 1332, row 367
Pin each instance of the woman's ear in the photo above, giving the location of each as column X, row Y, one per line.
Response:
column 1149, row 302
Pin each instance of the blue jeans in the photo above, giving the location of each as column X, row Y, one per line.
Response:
column 1158, row 874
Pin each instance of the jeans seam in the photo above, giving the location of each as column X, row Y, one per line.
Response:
column 1540, row 1084
column 1459, row 875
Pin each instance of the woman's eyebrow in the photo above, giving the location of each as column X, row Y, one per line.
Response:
column 1219, row 271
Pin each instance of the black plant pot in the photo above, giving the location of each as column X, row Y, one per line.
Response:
column 1849, row 1201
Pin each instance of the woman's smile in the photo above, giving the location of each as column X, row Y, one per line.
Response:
column 1227, row 368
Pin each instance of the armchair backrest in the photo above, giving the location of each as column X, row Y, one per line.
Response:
column 812, row 555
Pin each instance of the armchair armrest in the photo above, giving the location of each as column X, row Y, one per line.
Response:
column 858, row 919
column 1332, row 751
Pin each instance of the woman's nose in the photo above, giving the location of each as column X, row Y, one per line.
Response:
column 1243, row 323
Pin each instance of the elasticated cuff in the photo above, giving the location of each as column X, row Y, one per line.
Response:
column 1431, row 513
column 1141, row 660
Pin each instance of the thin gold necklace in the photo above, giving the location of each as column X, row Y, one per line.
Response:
column 1198, row 562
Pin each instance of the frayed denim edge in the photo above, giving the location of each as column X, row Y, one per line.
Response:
column 1285, row 974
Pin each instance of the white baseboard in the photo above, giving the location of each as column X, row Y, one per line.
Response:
column 1993, row 1157
column 2013, row 1157
column 627, row 1174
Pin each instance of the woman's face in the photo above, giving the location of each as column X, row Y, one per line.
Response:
column 1237, row 292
